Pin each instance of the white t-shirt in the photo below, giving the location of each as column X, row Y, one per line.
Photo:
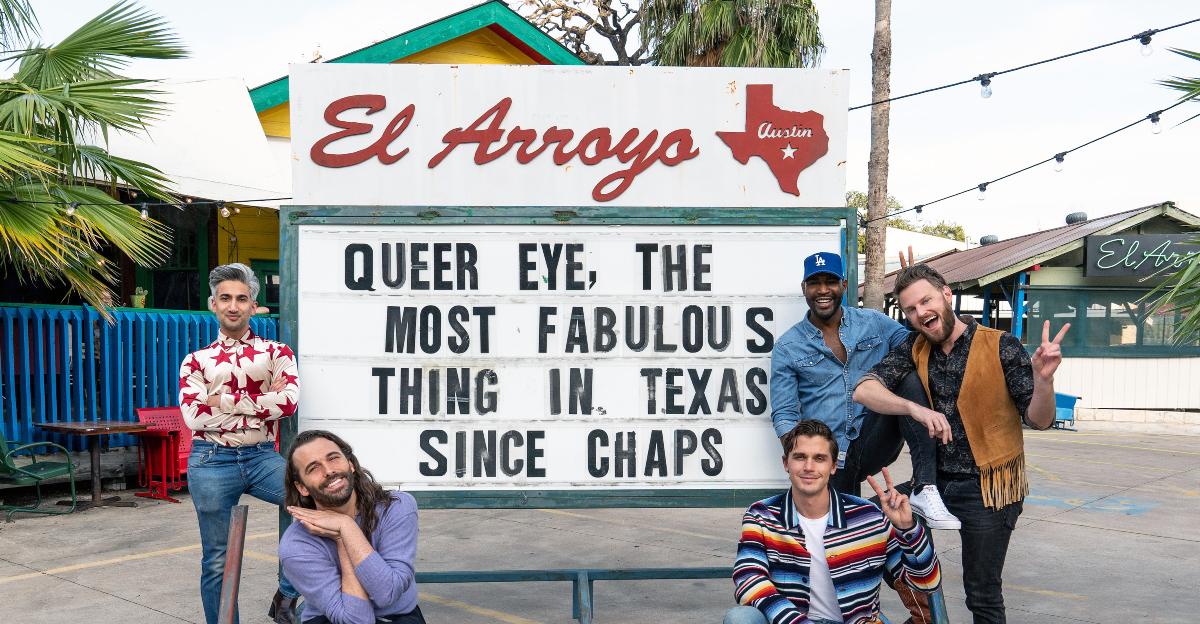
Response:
column 822, row 599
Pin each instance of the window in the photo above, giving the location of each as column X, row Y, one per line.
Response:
column 1105, row 323
column 269, row 282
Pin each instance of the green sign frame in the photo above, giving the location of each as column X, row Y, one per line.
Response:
column 294, row 217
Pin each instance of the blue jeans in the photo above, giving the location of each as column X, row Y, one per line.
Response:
column 217, row 478
column 750, row 615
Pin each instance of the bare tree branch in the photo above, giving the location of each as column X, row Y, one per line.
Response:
column 570, row 22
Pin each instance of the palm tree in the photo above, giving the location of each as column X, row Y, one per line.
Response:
column 63, row 99
column 732, row 33
column 1181, row 291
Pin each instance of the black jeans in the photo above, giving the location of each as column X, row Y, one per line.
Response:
column 985, row 533
column 880, row 439
column 412, row 617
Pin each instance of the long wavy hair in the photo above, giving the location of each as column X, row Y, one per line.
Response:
column 372, row 499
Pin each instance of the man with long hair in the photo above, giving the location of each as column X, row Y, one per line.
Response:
column 350, row 551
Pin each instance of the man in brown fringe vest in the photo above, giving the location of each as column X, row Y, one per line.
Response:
column 981, row 384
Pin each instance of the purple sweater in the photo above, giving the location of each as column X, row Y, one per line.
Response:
column 311, row 564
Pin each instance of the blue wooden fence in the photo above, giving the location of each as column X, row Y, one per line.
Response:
column 67, row 363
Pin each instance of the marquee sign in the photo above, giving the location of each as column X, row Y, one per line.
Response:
column 525, row 357
column 446, row 135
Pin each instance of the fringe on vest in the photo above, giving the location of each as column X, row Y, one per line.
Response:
column 1005, row 483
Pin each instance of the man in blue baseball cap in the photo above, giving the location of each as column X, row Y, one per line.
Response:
column 814, row 368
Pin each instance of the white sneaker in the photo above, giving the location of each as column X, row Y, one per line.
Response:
column 928, row 503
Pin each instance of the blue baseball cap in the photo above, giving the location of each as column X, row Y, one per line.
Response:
column 823, row 262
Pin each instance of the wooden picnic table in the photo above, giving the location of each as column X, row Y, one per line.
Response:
column 91, row 430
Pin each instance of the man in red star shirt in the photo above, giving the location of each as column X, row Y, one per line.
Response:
column 233, row 393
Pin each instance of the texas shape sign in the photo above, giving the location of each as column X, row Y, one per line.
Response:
column 788, row 141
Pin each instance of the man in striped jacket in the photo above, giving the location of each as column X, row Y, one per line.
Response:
column 812, row 554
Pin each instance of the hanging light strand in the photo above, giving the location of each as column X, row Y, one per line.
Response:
column 1056, row 158
column 985, row 79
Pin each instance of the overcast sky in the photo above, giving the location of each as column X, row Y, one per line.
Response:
column 940, row 143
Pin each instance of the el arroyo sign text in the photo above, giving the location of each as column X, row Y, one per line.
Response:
column 567, row 136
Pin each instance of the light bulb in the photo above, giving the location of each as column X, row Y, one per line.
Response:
column 985, row 88
column 982, row 192
column 1155, row 126
column 145, row 214
column 237, row 210
column 224, row 212
column 1058, row 161
column 1147, row 49
column 71, row 208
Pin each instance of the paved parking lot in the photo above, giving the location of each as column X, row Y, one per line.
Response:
column 1109, row 535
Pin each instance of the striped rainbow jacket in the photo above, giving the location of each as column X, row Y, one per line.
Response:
column 772, row 567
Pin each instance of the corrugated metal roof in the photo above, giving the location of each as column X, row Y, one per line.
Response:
column 964, row 269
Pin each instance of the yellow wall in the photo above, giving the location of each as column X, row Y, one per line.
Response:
column 257, row 233
column 482, row 47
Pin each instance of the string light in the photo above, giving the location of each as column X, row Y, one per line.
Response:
column 224, row 210
column 1155, row 126
column 1142, row 37
column 145, row 213
column 71, row 208
column 985, row 85
column 1057, row 159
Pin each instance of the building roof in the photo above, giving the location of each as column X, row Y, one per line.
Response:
column 972, row 268
column 208, row 143
column 493, row 15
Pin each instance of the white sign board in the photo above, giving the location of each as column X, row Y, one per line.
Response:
column 550, row 358
column 479, row 135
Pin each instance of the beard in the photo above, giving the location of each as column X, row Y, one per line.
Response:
column 825, row 315
column 328, row 499
column 947, row 327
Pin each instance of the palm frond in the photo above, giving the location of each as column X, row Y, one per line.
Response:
column 18, row 23
column 738, row 33
column 94, row 163
column 75, row 109
column 100, row 48
column 20, row 156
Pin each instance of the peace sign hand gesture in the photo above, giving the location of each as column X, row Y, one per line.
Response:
column 894, row 504
column 1048, row 356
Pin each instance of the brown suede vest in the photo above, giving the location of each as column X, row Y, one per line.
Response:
column 989, row 416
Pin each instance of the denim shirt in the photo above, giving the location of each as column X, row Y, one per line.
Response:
column 808, row 381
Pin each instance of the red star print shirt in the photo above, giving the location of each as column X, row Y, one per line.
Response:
column 240, row 372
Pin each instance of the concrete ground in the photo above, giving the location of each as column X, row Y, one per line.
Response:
column 1109, row 534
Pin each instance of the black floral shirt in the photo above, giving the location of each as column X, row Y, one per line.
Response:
column 945, row 380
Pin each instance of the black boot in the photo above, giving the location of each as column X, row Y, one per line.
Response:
column 283, row 609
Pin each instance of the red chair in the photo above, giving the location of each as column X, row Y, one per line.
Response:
column 164, row 452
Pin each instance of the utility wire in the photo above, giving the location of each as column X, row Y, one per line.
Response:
column 985, row 79
column 983, row 186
